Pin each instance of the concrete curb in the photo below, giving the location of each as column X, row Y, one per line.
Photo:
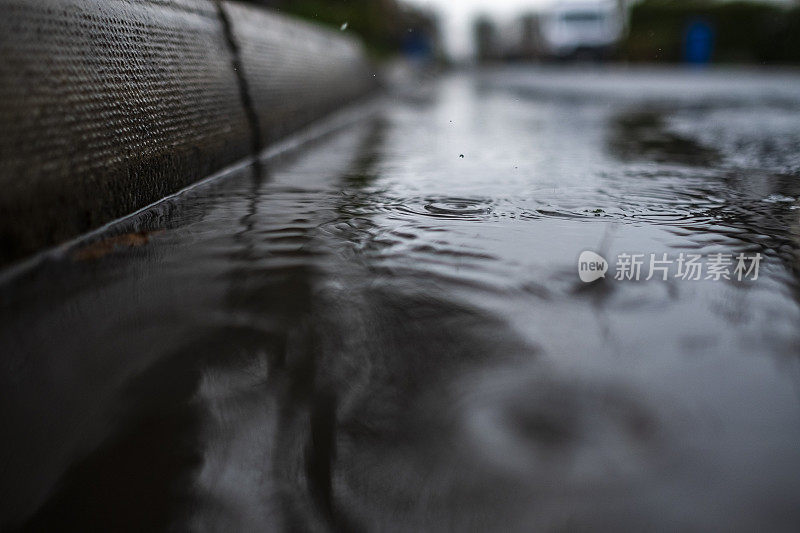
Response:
column 107, row 106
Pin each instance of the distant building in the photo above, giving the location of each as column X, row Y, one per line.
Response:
column 572, row 28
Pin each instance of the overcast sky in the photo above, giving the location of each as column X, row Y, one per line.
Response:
column 457, row 15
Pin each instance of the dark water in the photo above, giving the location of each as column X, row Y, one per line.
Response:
column 377, row 334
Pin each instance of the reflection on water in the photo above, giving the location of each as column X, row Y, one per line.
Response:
column 642, row 136
column 377, row 334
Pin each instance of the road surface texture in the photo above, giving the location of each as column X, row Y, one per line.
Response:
column 386, row 330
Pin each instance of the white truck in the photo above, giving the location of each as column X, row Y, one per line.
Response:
column 578, row 28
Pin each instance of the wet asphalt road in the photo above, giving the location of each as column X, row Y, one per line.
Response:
column 386, row 329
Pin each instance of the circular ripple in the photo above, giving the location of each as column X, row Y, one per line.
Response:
column 459, row 207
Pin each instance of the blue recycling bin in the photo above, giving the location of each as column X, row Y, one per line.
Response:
column 698, row 43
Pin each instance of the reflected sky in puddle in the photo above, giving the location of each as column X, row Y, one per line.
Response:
column 377, row 334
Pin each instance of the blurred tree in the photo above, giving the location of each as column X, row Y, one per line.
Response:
column 486, row 39
column 743, row 32
column 381, row 24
